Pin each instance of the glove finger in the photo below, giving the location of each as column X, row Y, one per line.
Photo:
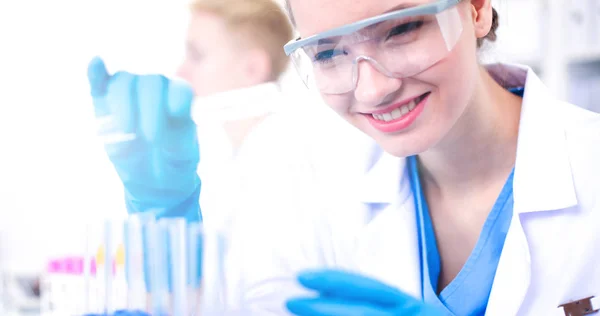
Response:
column 97, row 76
column 151, row 97
column 180, row 138
column 98, row 79
column 331, row 307
column 121, row 103
column 128, row 313
column 180, row 98
column 180, row 144
column 346, row 285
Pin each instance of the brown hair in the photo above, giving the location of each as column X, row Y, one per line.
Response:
column 263, row 21
column 491, row 36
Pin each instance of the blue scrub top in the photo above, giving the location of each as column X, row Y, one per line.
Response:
column 468, row 293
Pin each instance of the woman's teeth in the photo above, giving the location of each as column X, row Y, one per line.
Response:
column 398, row 112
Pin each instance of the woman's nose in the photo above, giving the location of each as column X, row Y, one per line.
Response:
column 373, row 87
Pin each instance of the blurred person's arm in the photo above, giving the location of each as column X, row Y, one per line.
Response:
column 274, row 233
column 287, row 202
column 277, row 227
column 225, row 133
column 219, row 170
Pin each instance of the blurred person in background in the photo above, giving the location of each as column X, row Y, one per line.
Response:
column 233, row 63
column 153, row 135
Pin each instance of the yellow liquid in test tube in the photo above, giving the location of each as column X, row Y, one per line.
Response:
column 120, row 256
column 100, row 257
column 120, row 280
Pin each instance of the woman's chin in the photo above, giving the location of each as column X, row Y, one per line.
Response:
column 404, row 145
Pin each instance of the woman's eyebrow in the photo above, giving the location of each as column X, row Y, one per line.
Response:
column 402, row 6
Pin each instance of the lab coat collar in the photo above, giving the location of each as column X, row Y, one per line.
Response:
column 233, row 105
column 212, row 112
column 380, row 183
column 542, row 179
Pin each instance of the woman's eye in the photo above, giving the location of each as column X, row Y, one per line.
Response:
column 404, row 28
column 327, row 55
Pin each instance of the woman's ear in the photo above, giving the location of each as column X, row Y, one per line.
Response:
column 482, row 15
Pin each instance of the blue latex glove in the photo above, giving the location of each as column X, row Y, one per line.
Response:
column 130, row 313
column 122, row 313
column 150, row 138
column 346, row 294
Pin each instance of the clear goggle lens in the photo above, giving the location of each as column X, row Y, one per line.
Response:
column 397, row 47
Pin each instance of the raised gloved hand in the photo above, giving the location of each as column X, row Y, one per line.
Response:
column 346, row 294
column 150, row 138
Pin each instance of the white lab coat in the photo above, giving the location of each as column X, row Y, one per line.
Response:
column 311, row 213
column 218, row 155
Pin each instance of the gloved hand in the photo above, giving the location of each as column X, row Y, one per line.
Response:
column 130, row 313
column 150, row 138
column 122, row 313
column 346, row 294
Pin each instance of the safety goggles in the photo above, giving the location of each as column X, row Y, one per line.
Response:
column 398, row 44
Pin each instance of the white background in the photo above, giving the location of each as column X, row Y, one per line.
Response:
column 53, row 171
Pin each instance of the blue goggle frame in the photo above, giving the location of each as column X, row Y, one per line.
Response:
column 427, row 9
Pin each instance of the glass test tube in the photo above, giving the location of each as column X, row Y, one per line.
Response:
column 87, row 271
column 214, row 298
column 108, row 267
column 134, row 265
column 194, row 258
column 178, row 265
column 158, row 265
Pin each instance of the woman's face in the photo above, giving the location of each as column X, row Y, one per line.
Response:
column 448, row 84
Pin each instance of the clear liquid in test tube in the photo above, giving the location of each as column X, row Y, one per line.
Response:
column 134, row 264
column 157, row 250
column 108, row 267
column 177, row 236
column 194, row 257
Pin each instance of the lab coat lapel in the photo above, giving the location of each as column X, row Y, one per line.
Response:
column 513, row 274
column 387, row 246
column 542, row 182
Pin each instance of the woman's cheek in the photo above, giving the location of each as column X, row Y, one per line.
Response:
column 341, row 104
column 455, row 75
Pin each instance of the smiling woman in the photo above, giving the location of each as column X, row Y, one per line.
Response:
column 435, row 205
column 402, row 48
